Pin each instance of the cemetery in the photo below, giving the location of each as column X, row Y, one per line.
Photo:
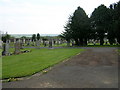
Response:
column 84, row 55
column 22, row 58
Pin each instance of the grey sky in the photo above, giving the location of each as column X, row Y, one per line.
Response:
column 41, row 16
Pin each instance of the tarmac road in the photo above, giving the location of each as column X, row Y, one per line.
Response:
column 95, row 68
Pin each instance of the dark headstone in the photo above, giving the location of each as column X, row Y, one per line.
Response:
column 50, row 44
column 5, row 49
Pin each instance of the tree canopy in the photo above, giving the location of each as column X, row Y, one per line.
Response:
column 104, row 22
column 77, row 27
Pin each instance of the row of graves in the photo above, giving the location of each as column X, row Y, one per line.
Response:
column 106, row 42
column 44, row 42
column 19, row 44
column 6, row 48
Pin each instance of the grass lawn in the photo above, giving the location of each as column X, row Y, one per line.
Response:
column 34, row 61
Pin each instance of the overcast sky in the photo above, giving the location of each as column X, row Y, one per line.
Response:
column 41, row 16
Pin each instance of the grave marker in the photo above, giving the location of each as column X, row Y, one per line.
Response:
column 17, row 48
column 5, row 49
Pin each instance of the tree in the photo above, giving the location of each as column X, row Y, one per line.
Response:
column 114, row 24
column 67, row 34
column 77, row 27
column 33, row 37
column 5, row 38
column 80, row 26
column 38, row 36
column 111, row 31
column 117, row 21
column 23, row 37
column 100, row 19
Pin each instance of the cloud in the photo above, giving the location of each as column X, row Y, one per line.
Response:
column 43, row 16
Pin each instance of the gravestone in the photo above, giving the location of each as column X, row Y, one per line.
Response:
column 50, row 44
column 73, row 43
column 45, row 44
column 37, row 43
column 21, row 45
column 5, row 49
column 28, row 43
column 17, row 48
column 24, row 41
column 14, row 40
column 68, row 43
column 57, row 41
column 94, row 42
column 1, row 44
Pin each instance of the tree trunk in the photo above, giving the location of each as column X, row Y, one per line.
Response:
column 76, row 42
column 101, row 41
column 81, row 42
column 85, row 41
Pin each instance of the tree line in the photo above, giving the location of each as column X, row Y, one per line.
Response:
column 103, row 22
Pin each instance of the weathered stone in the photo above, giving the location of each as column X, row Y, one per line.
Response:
column 17, row 48
column 50, row 44
column 5, row 49
column 38, row 43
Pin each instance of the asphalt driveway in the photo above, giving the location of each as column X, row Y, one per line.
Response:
column 94, row 68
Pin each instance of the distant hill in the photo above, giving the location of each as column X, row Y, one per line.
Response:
column 30, row 35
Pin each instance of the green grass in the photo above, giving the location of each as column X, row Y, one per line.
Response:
column 103, row 46
column 34, row 61
column 60, row 45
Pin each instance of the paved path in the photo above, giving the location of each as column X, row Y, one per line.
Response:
column 94, row 68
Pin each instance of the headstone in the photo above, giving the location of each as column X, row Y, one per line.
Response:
column 50, row 44
column 116, row 42
column 57, row 41
column 30, row 40
column 94, row 42
column 73, row 43
column 24, row 41
column 9, row 41
column 19, row 40
column 45, row 44
column 17, row 48
column 28, row 44
column 1, row 44
column 5, row 49
column 68, row 43
column 37, row 43
column 14, row 40
column 21, row 45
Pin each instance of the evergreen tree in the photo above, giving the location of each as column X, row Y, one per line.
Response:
column 38, row 36
column 100, row 19
column 117, row 21
column 77, row 27
column 5, row 38
column 33, row 37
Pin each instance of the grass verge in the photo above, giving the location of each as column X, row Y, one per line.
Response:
column 38, row 59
